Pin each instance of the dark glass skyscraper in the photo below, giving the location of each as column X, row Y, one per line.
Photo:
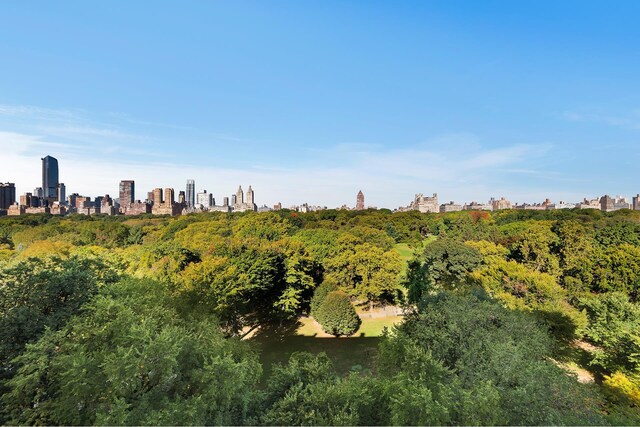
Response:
column 50, row 177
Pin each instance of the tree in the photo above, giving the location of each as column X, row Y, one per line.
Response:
column 364, row 271
column 613, row 326
column 448, row 261
column 336, row 315
column 418, row 281
column 130, row 359
column 320, row 294
column 43, row 294
column 531, row 243
column 471, row 361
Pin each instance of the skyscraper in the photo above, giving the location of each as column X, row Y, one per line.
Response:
column 127, row 192
column 360, row 201
column 50, row 177
column 250, row 196
column 191, row 193
column 239, row 195
column 169, row 197
column 7, row 195
column 62, row 193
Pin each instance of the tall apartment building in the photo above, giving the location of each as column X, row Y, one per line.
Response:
column 7, row 195
column 497, row 205
column 61, row 193
column 50, row 177
column 169, row 196
column 239, row 205
column 204, row 199
column 127, row 192
column 157, row 196
column 191, row 193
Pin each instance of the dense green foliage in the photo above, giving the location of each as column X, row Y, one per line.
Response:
column 319, row 296
column 130, row 359
column 139, row 320
column 337, row 315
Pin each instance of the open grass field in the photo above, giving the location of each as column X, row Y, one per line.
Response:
column 276, row 344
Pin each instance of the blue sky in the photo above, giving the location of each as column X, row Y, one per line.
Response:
column 313, row 101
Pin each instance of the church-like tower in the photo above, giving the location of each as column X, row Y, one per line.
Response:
column 360, row 201
column 250, row 196
column 239, row 195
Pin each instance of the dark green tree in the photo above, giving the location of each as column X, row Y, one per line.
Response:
column 336, row 314
column 448, row 261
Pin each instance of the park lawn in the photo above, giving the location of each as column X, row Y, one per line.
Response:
column 375, row 327
column 405, row 252
column 347, row 353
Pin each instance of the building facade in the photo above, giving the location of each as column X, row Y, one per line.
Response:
column 7, row 195
column 191, row 193
column 50, row 177
column 127, row 192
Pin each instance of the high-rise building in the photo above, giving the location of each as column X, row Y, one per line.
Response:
column 191, row 193
column 606, row 204
column 204, row 199
column 157, row 196
column 62, row 193
column 7, row 195
column 239, row 195
column 25, row 199
column 169, row 198
column 360, row 201
column 127, row 192
column 38, row 192
column 636, row 203
column 50, row 177
column 250, row 196
column 181, row 198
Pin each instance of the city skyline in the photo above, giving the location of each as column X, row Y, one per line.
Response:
column 473, row 99
column 161, row 200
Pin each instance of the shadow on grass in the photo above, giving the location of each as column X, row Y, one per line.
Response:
column 277, row 342
column 572, row 353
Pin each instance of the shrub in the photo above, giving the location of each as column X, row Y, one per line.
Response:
column 337, row 315
column 320, row 294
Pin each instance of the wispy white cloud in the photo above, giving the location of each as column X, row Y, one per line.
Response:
column 626, row 121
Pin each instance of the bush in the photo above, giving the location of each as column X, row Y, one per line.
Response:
column 320, row 294
column 336, row 314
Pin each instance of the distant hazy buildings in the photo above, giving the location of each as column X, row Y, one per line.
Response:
column 51, row 198
column 501, row 204
column 475, row 206
column 589, row 204
column 609, row 204
column 450, row 207
column 423, row 204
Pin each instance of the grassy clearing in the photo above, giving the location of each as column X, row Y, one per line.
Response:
column 277, row 343
column 405, row 252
